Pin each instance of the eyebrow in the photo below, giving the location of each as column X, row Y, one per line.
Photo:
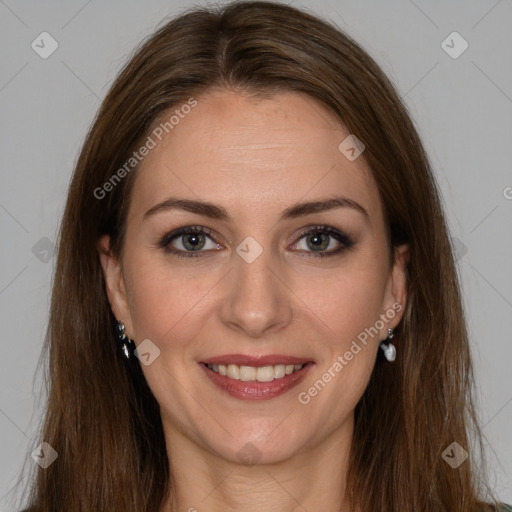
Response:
column 213, row 211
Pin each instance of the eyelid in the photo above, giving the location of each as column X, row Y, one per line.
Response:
column 345, row 240
column 325, row 228
column 176, row 233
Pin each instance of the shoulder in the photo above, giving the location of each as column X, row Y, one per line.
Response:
column 503, row 507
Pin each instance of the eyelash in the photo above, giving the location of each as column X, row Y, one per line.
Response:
column 345, row 241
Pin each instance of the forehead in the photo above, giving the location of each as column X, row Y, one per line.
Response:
column 252, row 155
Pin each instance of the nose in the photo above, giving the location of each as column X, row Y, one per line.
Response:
column 257, row 300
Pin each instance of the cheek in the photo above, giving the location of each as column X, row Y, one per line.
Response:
column 163, row 301
column 348, row 301
column 346, row 310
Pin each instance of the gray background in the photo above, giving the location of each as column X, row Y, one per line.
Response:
column 462, row 107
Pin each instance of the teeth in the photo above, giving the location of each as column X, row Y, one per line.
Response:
column 252, row 373
column 233, row 371
column 265, row 374
column 279, row 371
column 247, row 373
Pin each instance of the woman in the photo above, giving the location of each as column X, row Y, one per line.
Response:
column 255, row 215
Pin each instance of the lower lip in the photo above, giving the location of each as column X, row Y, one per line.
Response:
column 257, row 390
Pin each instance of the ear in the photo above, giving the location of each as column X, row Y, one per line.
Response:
column 396, row 291
column 114, row 283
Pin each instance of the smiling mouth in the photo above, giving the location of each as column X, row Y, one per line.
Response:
column 254, row 373
column 263, row 381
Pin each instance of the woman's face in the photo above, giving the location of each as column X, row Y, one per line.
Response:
column 255, row 289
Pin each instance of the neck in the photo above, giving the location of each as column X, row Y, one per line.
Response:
column 312, row 479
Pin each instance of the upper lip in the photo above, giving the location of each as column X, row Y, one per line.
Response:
column 263, row 360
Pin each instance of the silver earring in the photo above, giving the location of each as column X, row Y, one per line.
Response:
column 387, row 347
column 127, row 345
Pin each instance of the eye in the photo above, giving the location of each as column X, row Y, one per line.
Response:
column 184, row 242
column 320, row 238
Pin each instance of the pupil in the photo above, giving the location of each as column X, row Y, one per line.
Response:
column 317, row 240
column 192, row 241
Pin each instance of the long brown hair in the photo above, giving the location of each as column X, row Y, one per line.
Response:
column 102, row 418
